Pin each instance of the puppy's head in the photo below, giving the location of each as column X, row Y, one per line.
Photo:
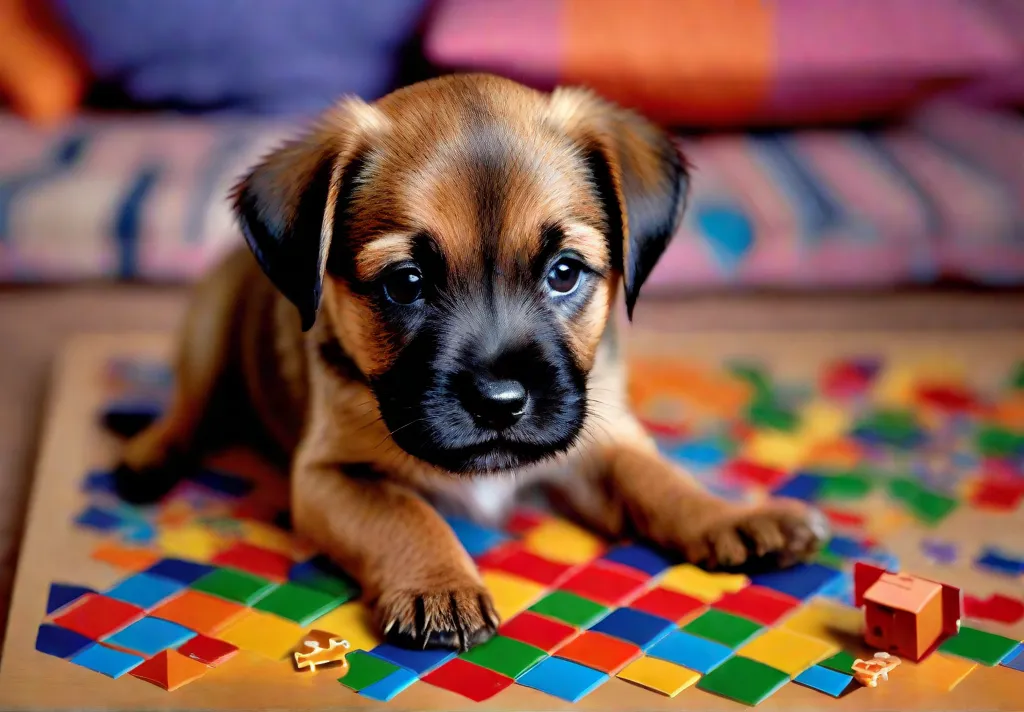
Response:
column 464, row 239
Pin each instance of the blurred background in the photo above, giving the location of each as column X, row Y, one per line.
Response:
column 858, row 163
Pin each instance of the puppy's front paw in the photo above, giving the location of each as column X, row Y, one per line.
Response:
column 777, row 533
column 457, row 617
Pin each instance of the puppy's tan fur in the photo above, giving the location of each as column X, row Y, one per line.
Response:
column 244, row 342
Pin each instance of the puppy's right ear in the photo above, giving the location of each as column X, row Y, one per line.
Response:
column 287, row 203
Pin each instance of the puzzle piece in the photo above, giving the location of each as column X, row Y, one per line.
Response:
column 318, row 647
column 868, row 672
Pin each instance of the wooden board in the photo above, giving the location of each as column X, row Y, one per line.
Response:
column 53, row 550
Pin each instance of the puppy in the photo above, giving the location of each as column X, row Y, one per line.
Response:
column 425, row 317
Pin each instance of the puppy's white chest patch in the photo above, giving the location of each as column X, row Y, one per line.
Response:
column 486, row 500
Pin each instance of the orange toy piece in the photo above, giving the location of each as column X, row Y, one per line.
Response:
column 318, row 647
column 867, row 672
column 904, row 614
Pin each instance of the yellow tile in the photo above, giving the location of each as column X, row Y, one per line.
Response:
column 784, row 451
column 822, row 421
column 511, row 594
column 897, row 385
column 784, row 650
column 701, row 584
column 266, row 536
column 264, row 634
column 352, row 622
column 943, row 671
column 659, row 675
column 191, row 541
column 559, row 540
column 827, row 621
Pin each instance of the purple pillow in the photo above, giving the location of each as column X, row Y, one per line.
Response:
column 275, row 57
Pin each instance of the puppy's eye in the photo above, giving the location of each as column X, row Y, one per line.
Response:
column 564, row 276
column 404, row 286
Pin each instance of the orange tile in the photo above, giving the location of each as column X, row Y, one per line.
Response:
column 126, row 558
column 599, row 651
column 834, row 453
column 199, row 612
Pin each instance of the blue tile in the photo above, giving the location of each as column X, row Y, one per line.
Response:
column 419, row 661
column 638, row 557
column 840, row 589
column 1015, row 660
column 800, row 581
column 384, row 690
column 476, row 540
column 186, row 572
column 699, row 454
column 99, row 519
column 99, row 482
column 846, row 547
column 803, row 486
column 61, row 594
column 691, row 652
column 151, row 635
column 1000, row 562
column 222, row 482
column 824, row 680
column 564, row 679
column 145, row 590
column 60, row 642
column 139, row 533
column 110, row 662
column 640, row 628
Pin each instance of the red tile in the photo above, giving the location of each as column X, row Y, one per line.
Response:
column 757, row 603
column 529, row 566
column 839, row 518
column 948, row 398
column 169, row 670
column 208, row 651
column 541, row 632
column 997, row 493
column 96, row 616
column 469, row 680
column 523, row 520
column 604, row 582
column 996, row 607
column 752, row 473
column 256, row 560
column 599, row 651
column 668, row 604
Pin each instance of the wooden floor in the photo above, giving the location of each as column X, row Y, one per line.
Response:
column 33, row 324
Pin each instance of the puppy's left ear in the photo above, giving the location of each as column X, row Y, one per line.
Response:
column 286, row 205
column 640, row 175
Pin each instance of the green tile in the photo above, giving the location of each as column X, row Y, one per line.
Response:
column 929, row 507
column 770, row 415
column 826, row 557
column 722, row 627
column 364, row 670
column 757, row 377
column 994, row 441
column 234, row 585
column 846, row 486
column 979, row 646
column 743, row 680
column 569, row 608
column 896, row 427
column 840, row 662
column 1017, row 379
column 297, row 603
column 505, row 655
column 342, row 589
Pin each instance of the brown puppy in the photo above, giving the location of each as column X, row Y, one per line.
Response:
column 429, row 320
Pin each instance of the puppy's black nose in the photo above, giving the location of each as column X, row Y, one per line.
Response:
column 496, row 403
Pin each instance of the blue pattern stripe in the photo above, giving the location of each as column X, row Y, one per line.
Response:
column 129, row 219
column 65, row 155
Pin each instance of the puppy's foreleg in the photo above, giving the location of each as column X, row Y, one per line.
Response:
column 641, row 494
column 421, row 583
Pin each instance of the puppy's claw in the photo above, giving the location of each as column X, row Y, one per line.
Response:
column 459, row 618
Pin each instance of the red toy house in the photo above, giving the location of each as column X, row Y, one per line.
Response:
column 905, row 615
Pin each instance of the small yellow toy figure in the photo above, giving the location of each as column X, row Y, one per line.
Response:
column 867, row 672
column 318, row 647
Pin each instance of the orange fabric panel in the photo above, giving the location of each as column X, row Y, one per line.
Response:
column 40, row 73
column 642, row 53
